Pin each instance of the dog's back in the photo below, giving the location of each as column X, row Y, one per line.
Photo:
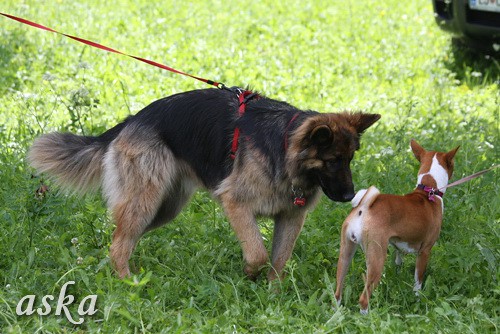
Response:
column 184, row 122
column 397, row 217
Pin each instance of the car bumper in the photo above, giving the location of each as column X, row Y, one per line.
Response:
column 456, row 17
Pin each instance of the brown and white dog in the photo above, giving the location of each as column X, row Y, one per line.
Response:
column 411, row 223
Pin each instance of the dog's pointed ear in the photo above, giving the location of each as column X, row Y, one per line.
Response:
column 321, row 135
column 450, row 155
column 417, row 149
column 361, row 121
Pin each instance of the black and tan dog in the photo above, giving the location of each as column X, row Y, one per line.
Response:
column 149, row 165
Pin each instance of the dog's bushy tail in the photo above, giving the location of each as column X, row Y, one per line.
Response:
column 73, row 162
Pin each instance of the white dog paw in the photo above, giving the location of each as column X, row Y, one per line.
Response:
column 417, row 288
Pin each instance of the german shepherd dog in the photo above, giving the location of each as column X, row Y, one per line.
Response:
column 149, row 165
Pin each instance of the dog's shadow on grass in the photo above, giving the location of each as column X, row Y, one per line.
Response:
column 473, row 66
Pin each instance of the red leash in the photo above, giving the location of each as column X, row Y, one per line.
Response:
column 105, row 48
column 243, row 95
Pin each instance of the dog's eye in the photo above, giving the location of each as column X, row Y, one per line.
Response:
column 333, row 163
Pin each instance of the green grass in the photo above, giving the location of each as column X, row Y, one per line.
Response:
column 387, row 57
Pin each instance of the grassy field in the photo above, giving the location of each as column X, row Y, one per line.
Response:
column 387, row 57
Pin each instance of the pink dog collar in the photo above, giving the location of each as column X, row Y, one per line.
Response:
column 431, row 191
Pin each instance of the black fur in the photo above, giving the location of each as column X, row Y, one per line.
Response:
column 198, row 127
column 265, row 125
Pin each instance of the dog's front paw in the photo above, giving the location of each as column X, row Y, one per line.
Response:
column 273, row 275
column 251, row 273
column 363, row 311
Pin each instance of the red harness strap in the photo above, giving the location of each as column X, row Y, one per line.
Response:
column 243, row 99
column 285, row 144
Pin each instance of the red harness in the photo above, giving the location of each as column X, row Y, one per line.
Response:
column 243, row 98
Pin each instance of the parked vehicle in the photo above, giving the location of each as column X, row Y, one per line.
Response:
column 477, row 22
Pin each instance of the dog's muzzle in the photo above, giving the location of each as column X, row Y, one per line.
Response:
column 335, row 192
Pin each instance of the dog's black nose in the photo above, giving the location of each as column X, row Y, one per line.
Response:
column 347, row 197
column 339, row 196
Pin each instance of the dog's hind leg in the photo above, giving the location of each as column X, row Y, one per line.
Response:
column 376, row 253
column 131, row 219
column 287, row 228
column 174, row 201
column 138, row 171
column 347, row 251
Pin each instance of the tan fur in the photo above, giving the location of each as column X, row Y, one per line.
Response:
column 412, row 221
column 71, row 168
column 304, row 156
column 139, row 175
column 247, row 193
